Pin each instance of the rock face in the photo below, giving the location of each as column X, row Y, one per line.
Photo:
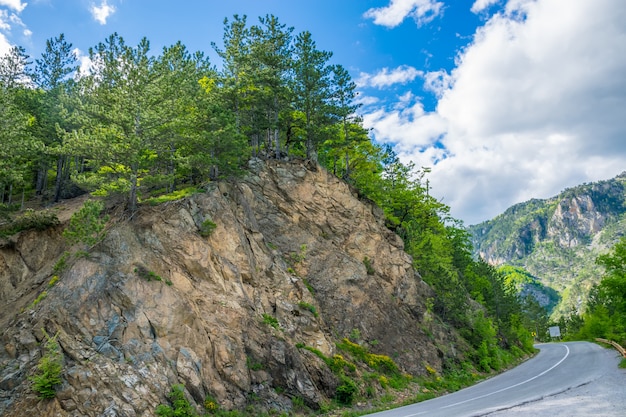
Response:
column 558, row 239
column 156, row 303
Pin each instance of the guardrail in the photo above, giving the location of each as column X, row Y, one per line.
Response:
column 614, row 344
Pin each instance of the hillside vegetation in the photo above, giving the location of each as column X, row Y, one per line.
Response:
column 240, row 242
column 557, row 241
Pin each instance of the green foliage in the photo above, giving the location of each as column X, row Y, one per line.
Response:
column 377, row 362
column 606, row 315
column 173, row 196
column 368, row 266
column 180, row 405
column 207, row 228
column 211, row 405
column 346, row 390
column 271, row 321
column 30, row 220
column 87, row 225
column 144, row 273
column 48, row 375
column 53, row 280
column 306, row 306
column 298, row 257
column 253, row 365
column 308, row 286
column 39, row 298
column 520, row 237
column 61, row 264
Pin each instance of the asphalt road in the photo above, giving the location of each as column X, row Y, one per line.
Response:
column 564, row 379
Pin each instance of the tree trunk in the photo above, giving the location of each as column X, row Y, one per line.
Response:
column 58, row 184
column 132, row 195
column 42, row 178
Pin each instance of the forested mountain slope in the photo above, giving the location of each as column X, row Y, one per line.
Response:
column 558, row 239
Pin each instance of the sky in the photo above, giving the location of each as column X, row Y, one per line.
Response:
column 502, row 100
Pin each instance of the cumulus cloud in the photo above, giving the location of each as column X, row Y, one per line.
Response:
column 408, row 126
column 387, row 77
column 534, row 105
column 85, row 64
column 102, row 12
column 9, row 18
column 5, row 46
column 16, row 5
column 422, row 11
column 481, row 5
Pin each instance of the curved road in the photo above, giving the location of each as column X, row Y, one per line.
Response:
column 564, row 379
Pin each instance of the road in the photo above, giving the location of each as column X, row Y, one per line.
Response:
column 564, row 379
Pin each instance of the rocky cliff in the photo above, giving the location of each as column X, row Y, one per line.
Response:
column 558, row 239
column 295, row 260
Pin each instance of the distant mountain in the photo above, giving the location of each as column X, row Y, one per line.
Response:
column 558, row 239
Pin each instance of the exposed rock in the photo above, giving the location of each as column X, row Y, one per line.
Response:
column 156, row 304
column 558, row 239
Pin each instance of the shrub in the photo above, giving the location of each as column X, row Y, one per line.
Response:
column 142, row 272
column 368, row 266
column 180, row 405
column 211, row 405
column 380, row 363
column 306, row 306
column 86, row 225
column 31, row 219
column 61, row 264
column 346, row 390
column 270, row 321
column 48, row 375
column 207, row 227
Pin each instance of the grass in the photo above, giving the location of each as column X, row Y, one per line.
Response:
column 271, row 321
column 176, row 195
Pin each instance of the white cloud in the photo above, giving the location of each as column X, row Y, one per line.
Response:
column 16, row 5
column 387, row 77
column 480, row 5
column 5, row 46
column 408, row 126
column 535, row 105
column 422, row 11
column 101, row 13
column 4, row 20
column 437, row 82
column 85, row 63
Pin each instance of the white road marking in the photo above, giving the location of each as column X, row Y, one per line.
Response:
column 503, row 389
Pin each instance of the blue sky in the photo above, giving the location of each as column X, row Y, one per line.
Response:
column 505, row 100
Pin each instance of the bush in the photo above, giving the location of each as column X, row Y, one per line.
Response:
column 346, row 390
column 270, row 321
column 86, row 226
column 306, row 306
column 48, row 375
column 368, row 266
column 180, row 405
column 31, row 219
column 207, row 228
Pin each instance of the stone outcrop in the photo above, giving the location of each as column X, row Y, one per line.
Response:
column 558, row 239
column 156, row 303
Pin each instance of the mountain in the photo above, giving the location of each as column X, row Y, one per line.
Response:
column 557, row 240
column 248, row 293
